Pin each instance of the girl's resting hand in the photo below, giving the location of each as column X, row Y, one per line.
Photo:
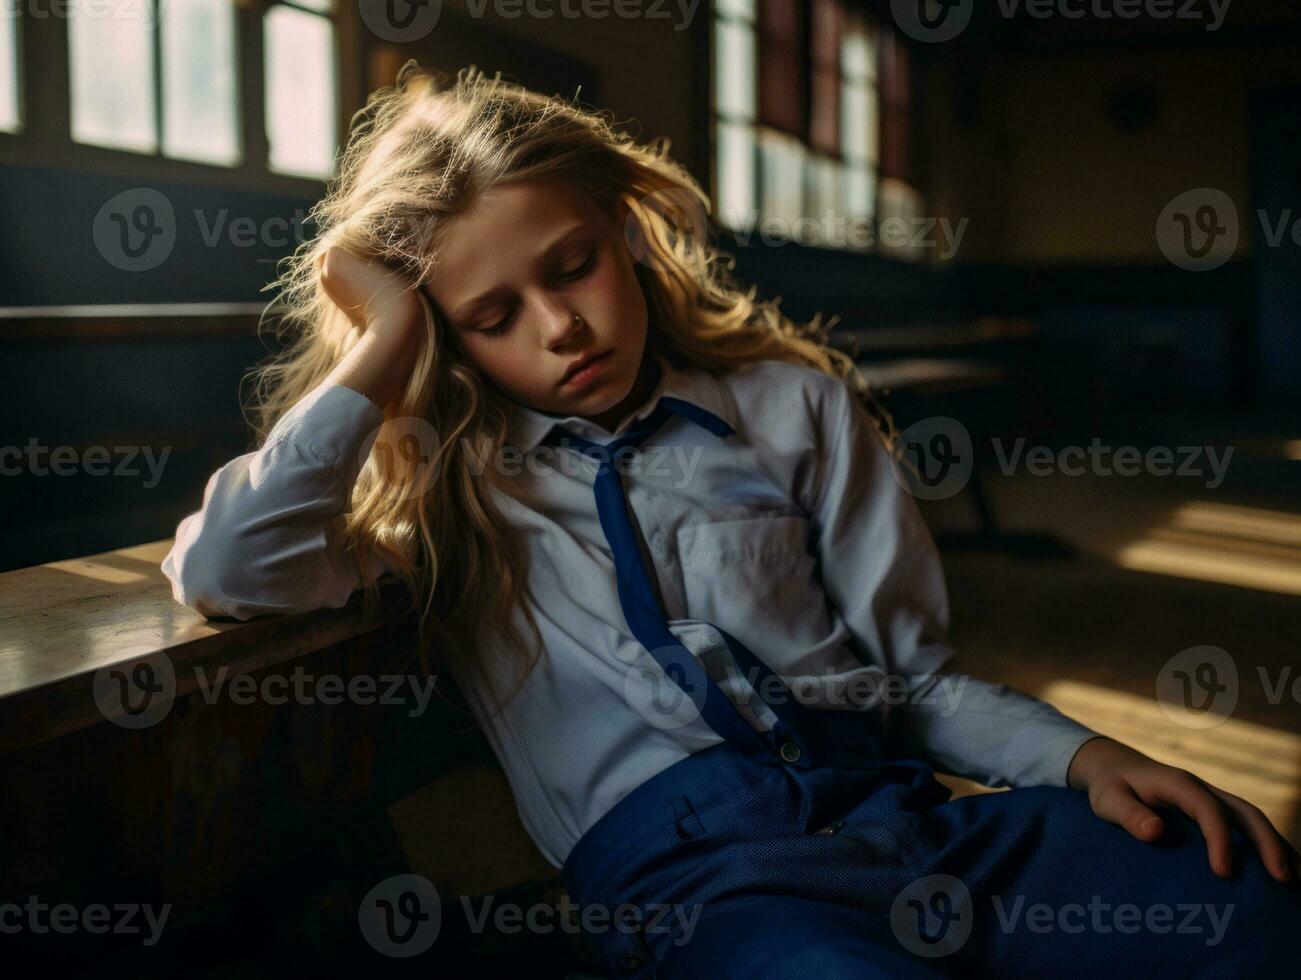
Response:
column 390, row 315
column 1122, row 782
column 373, row 295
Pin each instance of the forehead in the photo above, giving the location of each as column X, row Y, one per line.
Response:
column 502, row 232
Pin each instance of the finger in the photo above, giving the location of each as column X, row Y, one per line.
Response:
column 1268, row 841
column 1187, row 793
column 1117, row 803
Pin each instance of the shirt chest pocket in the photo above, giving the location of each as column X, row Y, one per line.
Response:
column 756, row 578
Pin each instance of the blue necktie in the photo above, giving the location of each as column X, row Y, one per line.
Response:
column 642, row 609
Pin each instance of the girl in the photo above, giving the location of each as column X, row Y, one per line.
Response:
column 656, row 538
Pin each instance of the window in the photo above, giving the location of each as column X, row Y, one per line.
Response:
column 10, row 116
column 821, row 132
column 147, row 75
column 112, row 65
column 860, row 136
column 199, row 92
column 735, row 105
column 162, row 77
column 299, row 68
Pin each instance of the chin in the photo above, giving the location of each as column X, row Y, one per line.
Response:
column 616, row 391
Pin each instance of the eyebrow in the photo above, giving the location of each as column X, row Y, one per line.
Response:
column 468, row 307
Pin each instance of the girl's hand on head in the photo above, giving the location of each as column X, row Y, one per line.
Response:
column 372, row 295
column 1122, row 783
column 390, row 315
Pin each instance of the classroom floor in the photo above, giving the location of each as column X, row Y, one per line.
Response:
column 1162, row 565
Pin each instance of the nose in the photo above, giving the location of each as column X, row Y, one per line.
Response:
column 559, row 324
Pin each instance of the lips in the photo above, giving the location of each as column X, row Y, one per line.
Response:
column 580, row 364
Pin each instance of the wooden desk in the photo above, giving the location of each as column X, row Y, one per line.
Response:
column 63, row 622
column 233, row 810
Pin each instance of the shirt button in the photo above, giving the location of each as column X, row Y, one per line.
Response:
column 831, row 828
column 790, row 752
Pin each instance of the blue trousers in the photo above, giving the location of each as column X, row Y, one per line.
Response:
column 734, row 863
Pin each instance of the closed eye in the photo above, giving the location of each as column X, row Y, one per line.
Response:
column 582, row 270
column 502, row 325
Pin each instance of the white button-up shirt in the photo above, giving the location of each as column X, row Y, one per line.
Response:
column 793, row 534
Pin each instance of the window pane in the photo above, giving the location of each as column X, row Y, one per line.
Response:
column 824, row 194
column 859, row 122
column 857, row 56
column 781, row 166
column 9, row 74
column 111, row 64
column 859, row 186
column 735, row 8
column 736, row 175
column 199, row 95
column 300, row 92
column 734, row 64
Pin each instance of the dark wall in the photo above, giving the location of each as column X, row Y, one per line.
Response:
column 74, row 237
column 865, row 290
column 175, row 400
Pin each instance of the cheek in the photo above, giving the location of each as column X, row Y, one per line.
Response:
column 501, row 360
column 620, row 295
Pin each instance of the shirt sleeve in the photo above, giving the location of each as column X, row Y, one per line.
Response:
column 992, row 733
column 265, row 538
column 881, row 569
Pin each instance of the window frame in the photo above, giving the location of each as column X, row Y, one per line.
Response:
column 340, row 130
column 813, row 156
column 45, row 137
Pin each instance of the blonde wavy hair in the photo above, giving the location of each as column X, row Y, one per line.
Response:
column 416, row 156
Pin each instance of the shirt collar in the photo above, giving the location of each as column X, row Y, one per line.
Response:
column 694, row 385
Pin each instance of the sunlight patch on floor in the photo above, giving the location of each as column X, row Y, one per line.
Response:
column 1244, row 546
